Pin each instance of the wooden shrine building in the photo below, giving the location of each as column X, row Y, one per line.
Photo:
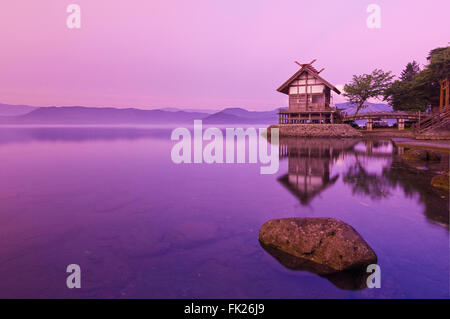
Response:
column 309, row 98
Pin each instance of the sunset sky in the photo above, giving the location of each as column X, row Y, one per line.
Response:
column 201, row 53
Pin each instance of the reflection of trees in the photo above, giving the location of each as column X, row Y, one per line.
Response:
column 365, row 183
column 415, row 182
column 379, row 143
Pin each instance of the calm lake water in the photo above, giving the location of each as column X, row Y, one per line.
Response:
column 140, row 226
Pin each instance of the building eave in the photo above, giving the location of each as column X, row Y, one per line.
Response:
column 284, row 88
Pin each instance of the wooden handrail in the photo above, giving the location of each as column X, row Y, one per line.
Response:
column 434, row 121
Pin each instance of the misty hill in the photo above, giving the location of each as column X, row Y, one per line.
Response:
column 15, row 110
column 79, row 115
column 102, row 116
column 349, row 108
column 239, row 115
column 175, row 109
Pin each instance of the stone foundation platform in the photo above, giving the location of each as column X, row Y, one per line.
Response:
column 316, row 130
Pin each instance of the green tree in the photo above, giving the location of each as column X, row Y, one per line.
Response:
column 411, row 69
column 400, row 94
column 366, row 86
column 427, row 82
column 402, row 97
column 439, row 62
column 421, row 90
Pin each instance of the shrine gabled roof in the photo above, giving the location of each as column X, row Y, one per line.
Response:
column 310, row 70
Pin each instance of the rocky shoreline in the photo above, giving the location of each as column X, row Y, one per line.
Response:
column 345, row 130
column 417, row 158
column 434, row 136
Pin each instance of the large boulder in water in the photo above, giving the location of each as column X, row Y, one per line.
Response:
column 416, row 154
column 326, row 244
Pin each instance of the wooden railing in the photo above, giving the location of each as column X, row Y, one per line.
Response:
column 433, row 121
column 383, row 115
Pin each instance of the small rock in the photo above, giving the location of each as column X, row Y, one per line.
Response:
column 327, row 244
column 441, row 181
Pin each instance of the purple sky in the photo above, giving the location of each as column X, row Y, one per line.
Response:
column 201, row 53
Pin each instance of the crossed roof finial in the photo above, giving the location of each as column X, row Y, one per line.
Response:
column 306, row 64
column 306, row 68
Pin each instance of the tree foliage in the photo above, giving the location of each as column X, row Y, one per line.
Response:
column 366, row 86
column 439, row 60
column 411, row 69
column 419, row 90
column 400, row 95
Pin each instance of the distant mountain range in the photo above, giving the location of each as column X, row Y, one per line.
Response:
column 79, row 115
column 239, row 115
column 102, row 116
column 15, row 110
column 175, row 109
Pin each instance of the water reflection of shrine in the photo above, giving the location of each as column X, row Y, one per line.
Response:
column 309, row 165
